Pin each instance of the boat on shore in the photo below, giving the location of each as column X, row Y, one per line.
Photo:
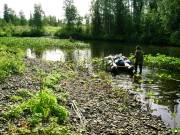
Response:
column 118, row 63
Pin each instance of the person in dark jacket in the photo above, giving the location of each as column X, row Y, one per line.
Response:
column 138, row 59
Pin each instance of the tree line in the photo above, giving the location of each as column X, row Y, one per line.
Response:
column 152, row 21
column 35, row 23
column 10, row 16
column 144, row 21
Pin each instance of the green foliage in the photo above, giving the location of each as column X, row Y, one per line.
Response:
column 16, row 98
column 104, row 75
column 51, row 30
column 165, row 76
column 50, row 21
column 51, row 129
column 70, row 13
column 11, row 61
column 174, row 38
column 122, row 108
column 150, row 22
column 41, row 113
column 163, row 61
column 51, row 80
column 25, row 93
column 175, row 131
column 23, row 20
column 41, row 42
column 10, row 15
column 96, row 19
column 35, row 119
column 37, row 23
column 99, row 63
column 150, row 94
column 13, row 129
column 75, row 33
column 43, row 105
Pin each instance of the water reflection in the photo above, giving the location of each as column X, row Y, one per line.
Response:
column 155, row 94
column 101, row 49
column 83, row 58
column 54, row 55
column 30, row 53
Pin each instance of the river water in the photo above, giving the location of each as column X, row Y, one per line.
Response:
column 158, row 94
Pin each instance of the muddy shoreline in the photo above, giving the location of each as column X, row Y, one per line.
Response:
column 96, row 108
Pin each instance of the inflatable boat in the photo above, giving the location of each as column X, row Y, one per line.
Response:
column 118, row 63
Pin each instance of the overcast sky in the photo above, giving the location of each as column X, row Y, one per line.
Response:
column 50, row 7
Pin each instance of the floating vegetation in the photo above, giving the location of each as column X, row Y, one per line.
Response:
column 163, row 61
column 164, row 76
column 150, row 94
column 42, row 42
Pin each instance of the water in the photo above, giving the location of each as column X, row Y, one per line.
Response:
column 164, row 95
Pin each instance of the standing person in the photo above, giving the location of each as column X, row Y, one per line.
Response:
column 138, row 59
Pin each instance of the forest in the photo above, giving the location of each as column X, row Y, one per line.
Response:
column 134, row 21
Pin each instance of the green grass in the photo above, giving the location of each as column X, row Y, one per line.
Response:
column 51, row 30
column 11, row 61
column 11, row 30
column 42, row 42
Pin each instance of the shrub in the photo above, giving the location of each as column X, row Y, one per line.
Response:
column 163, row 61
column 175, row 38
column 11, row 61
column 43, row 105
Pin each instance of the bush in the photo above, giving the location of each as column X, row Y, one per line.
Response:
column 163, row 61
column 74, row 33
column 11, row 61
column 41, row 106
column 175, row 38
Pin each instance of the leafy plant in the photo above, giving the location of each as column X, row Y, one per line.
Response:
column 167, row 62
column 51, row 80
column 11, row 61
column 175, row 131
column 44, row 103
column 24, row 93
column 16, row 98
column 150, row 94
column 99, row 63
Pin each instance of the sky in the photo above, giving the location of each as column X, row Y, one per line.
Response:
column 50, row 7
